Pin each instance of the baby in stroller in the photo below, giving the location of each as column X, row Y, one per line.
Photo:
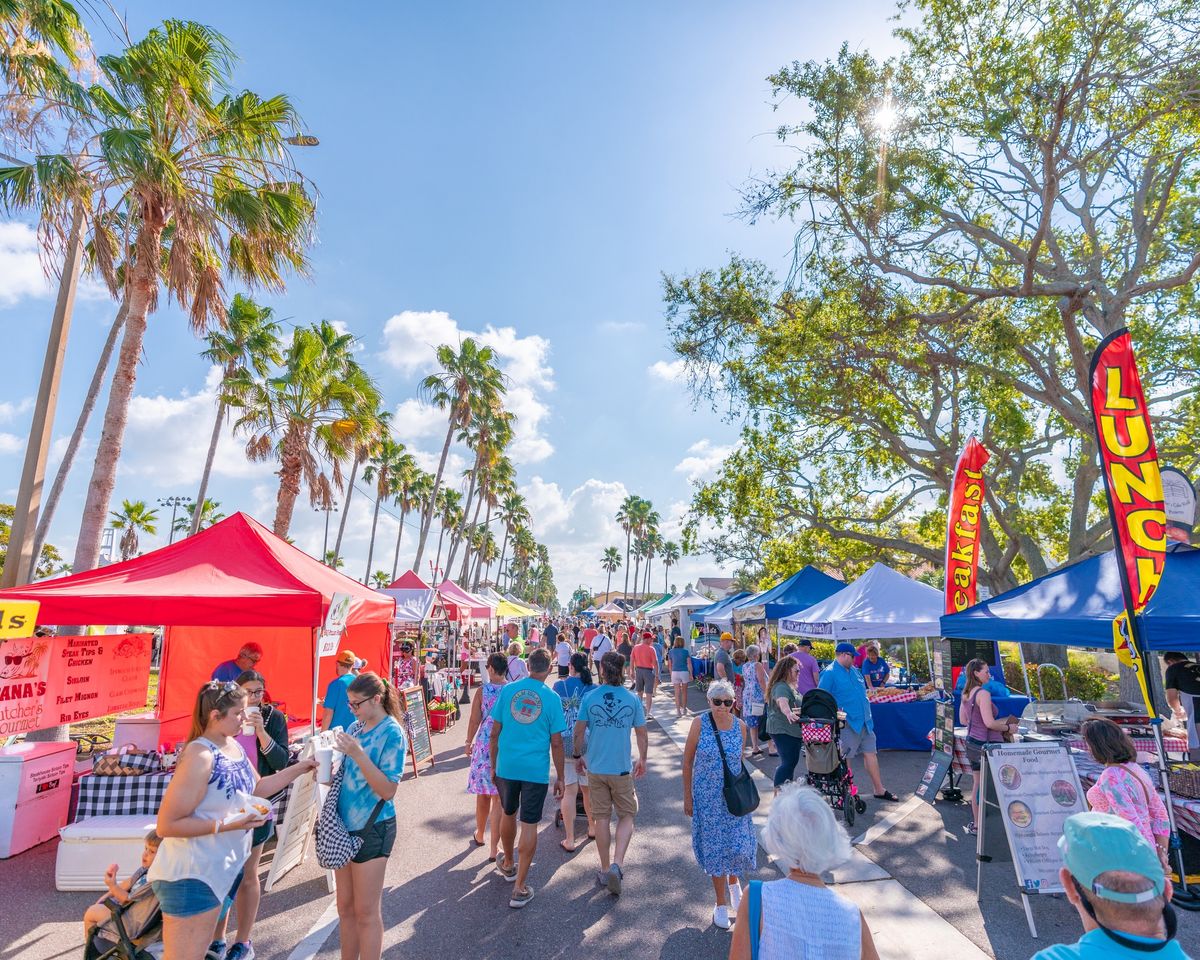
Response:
column 827, row 769
column 126, row 924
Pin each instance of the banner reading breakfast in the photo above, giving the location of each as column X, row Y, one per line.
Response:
column 962, row 527
column 47, row 681
column 1129, row 461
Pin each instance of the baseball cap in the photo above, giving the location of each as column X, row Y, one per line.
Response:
column 347, row 658
column 845, row 648
column 804, row 642
column 1094, row 843
column 727, row 635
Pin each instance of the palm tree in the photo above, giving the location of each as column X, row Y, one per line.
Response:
column 190, row 523
column 651, row 543
column 626, row 515
column 468, row 383
column 414, row 487
column 333, row 560
column 490, row 439
column 187, row 167
column 610, row 562
column 132, row 517
column 514, row 514
column 363, row 449
column 524, row 549
column 385, row 464
column 380, row 579
column 449, row 507
column 642, row 519
column 318, row 406
column 250, row 340
column 670, row 557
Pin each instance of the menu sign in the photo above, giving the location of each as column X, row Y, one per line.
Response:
column 47, row 681
column 416, row 726
column 1037, row 788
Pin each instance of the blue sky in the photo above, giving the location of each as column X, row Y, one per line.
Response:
column 523, row 171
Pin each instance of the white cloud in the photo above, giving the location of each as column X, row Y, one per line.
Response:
column 669, row 371
column 21, row 273
column 410, row 342
column 703, row 460
column 10, row 411
column 10, row 443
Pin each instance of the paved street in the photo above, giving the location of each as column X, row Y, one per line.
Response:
column 915, row 881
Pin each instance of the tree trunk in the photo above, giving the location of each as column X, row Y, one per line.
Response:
column 85, row 414
column 474, row 526
column 371, row 545
column 503, row 552
column 460, row 533
column 628, row 533
column 666, row 576
column 116, row 414
column 427, row 518
column 608, row 587
column 399, row 534
column 290, row 468
column 637, row 569
column 337, row 544
column 198, row 516
column 437, row 560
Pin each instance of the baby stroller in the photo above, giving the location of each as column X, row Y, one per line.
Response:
column 144, row 943
column 827, row 768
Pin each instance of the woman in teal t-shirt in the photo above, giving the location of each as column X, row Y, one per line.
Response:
column 374, row 749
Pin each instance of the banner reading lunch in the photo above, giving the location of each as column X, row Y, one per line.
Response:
column 47, row 681
column 962, row 527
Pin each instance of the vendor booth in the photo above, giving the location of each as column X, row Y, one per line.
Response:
column 463, row 606
column 232, row 583
column 799, row 591
column 415, row 599
column 881, row 604
column 681, row 606
column 713, row 614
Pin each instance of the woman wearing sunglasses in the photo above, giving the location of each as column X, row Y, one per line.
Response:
column 213, row 802
column 374, row 749
column 725, row 846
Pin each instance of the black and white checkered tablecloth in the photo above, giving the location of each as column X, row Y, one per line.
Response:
column 116, row 796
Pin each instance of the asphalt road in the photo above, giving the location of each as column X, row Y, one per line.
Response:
column 443, row 898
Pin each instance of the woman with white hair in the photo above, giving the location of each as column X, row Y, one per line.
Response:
column 724, row 845
column 799, row 916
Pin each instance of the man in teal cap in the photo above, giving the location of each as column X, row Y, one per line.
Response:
column 1113, row 877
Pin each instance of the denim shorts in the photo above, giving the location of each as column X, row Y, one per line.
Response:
column 189, row 896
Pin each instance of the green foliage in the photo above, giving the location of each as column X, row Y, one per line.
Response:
column 50, row 562
column 1085, row 678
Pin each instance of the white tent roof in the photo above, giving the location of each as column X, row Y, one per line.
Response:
column 412, row 606
column 725, row 617
column 688, row 599
column 880, row 604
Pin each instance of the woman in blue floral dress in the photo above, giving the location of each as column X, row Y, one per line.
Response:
column 479, row 733
column 725, row 846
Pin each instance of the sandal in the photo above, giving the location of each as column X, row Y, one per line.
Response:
column 478, row 842
column 972, row 829
column 887, row 795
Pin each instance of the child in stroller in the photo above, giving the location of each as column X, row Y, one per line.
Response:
column 827, row 769
column 126, row 924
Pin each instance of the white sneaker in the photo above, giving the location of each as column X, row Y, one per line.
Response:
column 735, row 897
column 721, row 917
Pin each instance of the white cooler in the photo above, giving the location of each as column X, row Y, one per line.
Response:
column 89, row 846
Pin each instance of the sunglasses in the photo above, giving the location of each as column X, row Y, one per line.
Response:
column 721, row 702
column 227, row 687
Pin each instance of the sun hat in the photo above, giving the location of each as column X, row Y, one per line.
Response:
column 1095, row 843
column 845, row 648
column 347, row 658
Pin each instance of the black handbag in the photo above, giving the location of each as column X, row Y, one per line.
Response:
column 741, row 795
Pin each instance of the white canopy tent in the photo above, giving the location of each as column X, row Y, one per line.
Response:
column 681, row 605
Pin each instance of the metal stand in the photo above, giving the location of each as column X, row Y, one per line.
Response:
column 980, row 840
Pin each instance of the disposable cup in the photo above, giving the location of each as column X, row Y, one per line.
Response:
column 324, row 755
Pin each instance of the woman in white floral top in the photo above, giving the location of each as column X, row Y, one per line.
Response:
column 1124, row 789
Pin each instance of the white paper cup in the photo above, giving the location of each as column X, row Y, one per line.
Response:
column 324, row 756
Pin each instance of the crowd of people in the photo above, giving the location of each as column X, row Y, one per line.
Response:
column 564, row 713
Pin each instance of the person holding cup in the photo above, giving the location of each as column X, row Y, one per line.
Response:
column 213, row 802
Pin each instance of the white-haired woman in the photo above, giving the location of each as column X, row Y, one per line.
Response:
column 724, row 845
column 799, row 915
column 754, row 695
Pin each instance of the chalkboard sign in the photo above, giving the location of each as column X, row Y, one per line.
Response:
column 416, row 727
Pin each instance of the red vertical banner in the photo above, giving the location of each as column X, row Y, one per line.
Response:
column 962, row 527
column 1129, row 461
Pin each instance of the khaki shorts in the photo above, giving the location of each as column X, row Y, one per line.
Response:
column 612, row 791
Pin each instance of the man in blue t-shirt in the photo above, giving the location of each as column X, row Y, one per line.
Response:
column 607, row 714
column 1113, row 878
column 337, row 700
column 527, row 727
column 247, row 659
column 844, row 680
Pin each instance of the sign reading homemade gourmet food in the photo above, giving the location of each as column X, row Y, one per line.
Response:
column 48, row 681
column 962, row 527
column 1129, row 461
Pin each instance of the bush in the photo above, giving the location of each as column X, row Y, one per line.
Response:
column 823, row 649
column 1085, row 679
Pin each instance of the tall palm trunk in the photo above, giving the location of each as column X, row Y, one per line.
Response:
column 371, row 545
column 198, row 517
column 504, row 552
column 399, row 534
column 474, row 526
column 427, row 519
column 628, row 533
column 646, row 588
column 608, row 587
column 461, row 531
column 637, row 569
column 666, row 576
column 437, row 563
column 85, row 414
column 337, row 544
column 291, row 464
column 116, row 415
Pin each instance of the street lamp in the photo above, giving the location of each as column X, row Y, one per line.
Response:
column 174, row 503
column 333, row 505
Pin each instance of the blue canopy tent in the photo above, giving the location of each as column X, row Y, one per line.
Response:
column 802, row 589
column 716, row 610
column 1076, row 605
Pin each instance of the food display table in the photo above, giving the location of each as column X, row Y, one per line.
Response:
column 116, row 796
column 701, row 667
column 1141, row 745
column 1187, row 811
column 902, row 722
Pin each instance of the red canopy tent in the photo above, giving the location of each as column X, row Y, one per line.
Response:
column 229, row 584
column 467, row 605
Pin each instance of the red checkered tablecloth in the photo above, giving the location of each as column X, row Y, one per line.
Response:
column 900, row 696
column 1143, row 745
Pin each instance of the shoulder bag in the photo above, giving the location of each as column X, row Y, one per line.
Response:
column 741, row 795
column 336, row 845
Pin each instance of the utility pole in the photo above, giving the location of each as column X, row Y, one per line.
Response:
column 20, row 564
column 333, row 505
column 175, row 503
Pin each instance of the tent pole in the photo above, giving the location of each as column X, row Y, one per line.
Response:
column 928, row 659
column 907, row 665
column 316, row 672
column 1024, row 670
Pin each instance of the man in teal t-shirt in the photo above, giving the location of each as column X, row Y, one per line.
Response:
column 528, row 725
column 609, row 713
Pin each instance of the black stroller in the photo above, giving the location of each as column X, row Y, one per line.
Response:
column 827, row 768
column 143, row 943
